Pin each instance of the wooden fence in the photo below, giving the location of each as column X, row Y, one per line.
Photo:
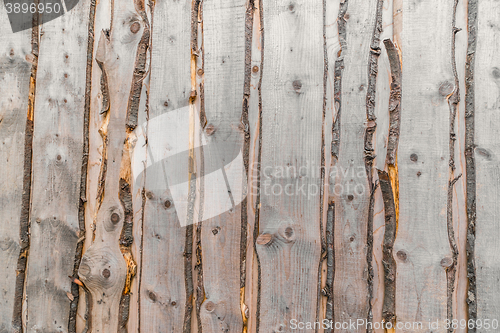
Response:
column 368, row 137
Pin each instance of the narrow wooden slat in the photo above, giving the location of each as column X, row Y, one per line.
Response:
column 422, row 249
column 352, row 189
column 57, row 163
column 162, row 290
column 487, row 154
column 289, row 244
column 95, row 158
column 224, row 67
column 15, row 70
column 108, row 266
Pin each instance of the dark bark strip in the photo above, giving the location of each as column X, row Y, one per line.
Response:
column 470, row 164
column 453, row 100
column 24, row 237
column 390, row 206
column 83, row 180
column 196, row 19
column 330, row 263
column 246, row 155
column 394, row 102
column 389, row 306
column 323, row 255
column 140, row 71
column 126, row 240
column 259, row 161
column 368, row 149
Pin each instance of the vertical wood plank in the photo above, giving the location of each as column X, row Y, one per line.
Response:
column 487, row 153
column 15, row 71
column 162, row 290
column 108, row 267
column 57, row 163
column 289, row 243
column 224, row 68
column 95, row 151
column 422, row 250
column 352, row 189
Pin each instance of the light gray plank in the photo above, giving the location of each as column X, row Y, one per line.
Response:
column 289, row 244
column 15, row 71
column 224, row 68
column 487, row 154
column 108, row 267
column 57, row 163
column 352, row 190
column 422, row 237
column 162, row 291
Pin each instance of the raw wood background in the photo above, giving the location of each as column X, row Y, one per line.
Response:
column 392, row 106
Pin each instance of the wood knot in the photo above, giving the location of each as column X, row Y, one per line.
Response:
column 115, row 218
column 291, row 7
column 106, row 273
column 210, row 306
column 210, row 129
column 152, row 296
column 167, row 204
column 135, row 27
column 297, row 85
column 165, row 103
column 446, row 88
column 149, row 195
column 264, row 239
column 414, row 157
column 495, row 73
column 255, row 69
column 350, row 197
column 402, row 255
column 447, row 262
column 200, row 72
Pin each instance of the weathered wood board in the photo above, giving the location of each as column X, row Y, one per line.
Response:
column 57, row 163
column 250, row 166
column 16, row 125
column 487, row 152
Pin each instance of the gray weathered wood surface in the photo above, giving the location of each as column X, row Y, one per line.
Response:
column 215, row 165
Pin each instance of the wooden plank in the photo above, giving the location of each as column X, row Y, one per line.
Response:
column 15, row 128
column 352, row 189
column 288, row 244
column 162, row 291
column 95, row 159
column 422, row 249
column 108, row 267
column 57, row 164
column 224, row 70
column 487, row 152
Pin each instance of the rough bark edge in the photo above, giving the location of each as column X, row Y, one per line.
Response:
column 453, row 100
column 369, row 150
column 24, row 222
column 75, row 290
column 470, row 163
column 394, row 102
column 330, row 263
column 259, row 162
column 388, row 261
column 140, row 71
column 249, row 21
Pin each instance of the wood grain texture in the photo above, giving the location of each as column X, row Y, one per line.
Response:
column 162, row 290
column 487, row 152
column 289, row 243
column 107, row 266
column 422, row 248
column 57, row 163
column 224, row 68
column 95, row 158
column 15, row 71
column 352, row 189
